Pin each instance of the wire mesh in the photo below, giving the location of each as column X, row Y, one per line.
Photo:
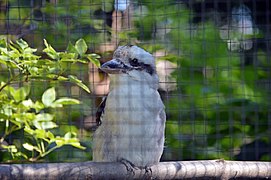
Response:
column 212, row 58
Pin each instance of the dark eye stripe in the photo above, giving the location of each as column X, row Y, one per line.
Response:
column 148, row 69
column 141, row 66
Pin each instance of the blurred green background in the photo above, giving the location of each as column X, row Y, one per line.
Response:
column 214, row 67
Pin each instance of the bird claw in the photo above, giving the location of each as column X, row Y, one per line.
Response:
column 148, row 173
column 130, row 167
column 148, row 170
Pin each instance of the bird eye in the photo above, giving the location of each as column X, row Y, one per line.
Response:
column 134, row 62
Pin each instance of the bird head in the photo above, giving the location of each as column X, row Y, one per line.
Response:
column 132, row 61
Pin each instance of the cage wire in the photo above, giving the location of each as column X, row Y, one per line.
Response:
column 212, row 57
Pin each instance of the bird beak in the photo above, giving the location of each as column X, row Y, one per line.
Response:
column 114, row 66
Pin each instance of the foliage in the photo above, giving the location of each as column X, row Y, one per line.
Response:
column 35, row 119
column 65, row 20
column 219, row 106
column 220, row 92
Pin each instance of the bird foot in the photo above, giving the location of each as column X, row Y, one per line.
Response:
column 148, row 173
column 130, row 167
column 147, row 170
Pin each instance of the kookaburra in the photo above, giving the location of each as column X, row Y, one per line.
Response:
column 133, row 118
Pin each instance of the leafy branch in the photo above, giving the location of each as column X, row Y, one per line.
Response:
column 18, row 112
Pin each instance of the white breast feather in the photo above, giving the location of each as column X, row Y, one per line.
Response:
column 133, row 124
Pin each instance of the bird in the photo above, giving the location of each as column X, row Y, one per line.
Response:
column 131, row 119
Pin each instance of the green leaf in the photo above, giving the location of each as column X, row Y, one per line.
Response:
column 29, row 130
column 22, row 44
column 49, row 96
column 70, row 138
column 66, row 101
column 9, row 89
column 81, row 47
column 44, row 117
column 7, row 109
column 40, row 133
column 20, row 155
column 71, row 48
column 28, row 103
column 50, row 135
column 78, row 82
column 30, row 147
column 6, row 60
column 3, row 43
column 3, row 117
column 56, row 77
column 66, row 55
column 15, row 50
column 69, row 135
column 4, row 50
column 28, row 53
column 11, row 148
column 77, row 145
column 38, row 106
column 85, row 61
column 59, row 141
column 12, row 63
column 48, row 125
column 21, row 93
column 93, row 59
column 22, row 118
column 45, row 125
column 49, row 50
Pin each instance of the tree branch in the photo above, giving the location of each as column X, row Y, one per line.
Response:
column 217, row 169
